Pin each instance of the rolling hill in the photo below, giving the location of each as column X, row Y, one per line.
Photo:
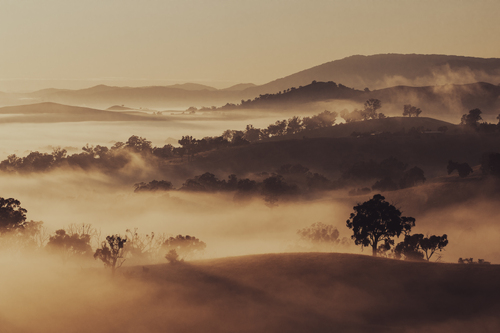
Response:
column 318, row 292
column 53, row 112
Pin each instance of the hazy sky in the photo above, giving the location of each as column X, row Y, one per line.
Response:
column 221, row 42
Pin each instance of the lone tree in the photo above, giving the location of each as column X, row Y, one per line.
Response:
column 111, row 251
column 377, row 221
column 12, row 215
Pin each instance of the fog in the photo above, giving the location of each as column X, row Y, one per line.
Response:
column 256, row 272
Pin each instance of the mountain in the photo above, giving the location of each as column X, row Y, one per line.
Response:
column 387, row 70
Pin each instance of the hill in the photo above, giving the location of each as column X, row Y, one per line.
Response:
column 373, row 126
column 119, row 108
column 387, row 70
column 240, row 87
column 192, row 86
column 316, row 292
column 331, row 156
column 448, row 101
column 53, row 112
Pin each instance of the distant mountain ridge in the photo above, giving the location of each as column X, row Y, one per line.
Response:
column 387, row 70
column 374, row 72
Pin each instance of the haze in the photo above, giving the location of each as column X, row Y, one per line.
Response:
column 78, row 44
column 249, row 166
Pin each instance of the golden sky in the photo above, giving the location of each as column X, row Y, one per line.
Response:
column 45, row 43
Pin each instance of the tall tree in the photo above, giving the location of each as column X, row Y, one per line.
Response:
column 377, row 221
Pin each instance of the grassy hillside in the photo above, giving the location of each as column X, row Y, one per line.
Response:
column 318, row 292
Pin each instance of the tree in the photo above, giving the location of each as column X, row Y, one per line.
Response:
column 184, row 246
column 472, row 118
column 12, row 215
column 409, row 249
column 432, row 244
column 320, row 233
column 463, row 169
column 377, row 221
column 415, row 247
column 409, row 110
column 111, row 251
column 75, row 245
column 371, row 107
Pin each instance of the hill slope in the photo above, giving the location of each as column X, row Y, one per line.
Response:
column 386, row 70
column 318, row 292
column 53, row 112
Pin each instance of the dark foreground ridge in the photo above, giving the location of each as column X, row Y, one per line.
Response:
column 324, row 292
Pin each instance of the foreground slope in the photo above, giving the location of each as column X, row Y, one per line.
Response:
column 303, row 292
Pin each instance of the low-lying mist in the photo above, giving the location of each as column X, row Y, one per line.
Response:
column 233, row 227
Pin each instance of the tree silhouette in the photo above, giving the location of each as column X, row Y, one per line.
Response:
column 463, row 169
column 411, row 111
column 371, row 107
column 472, row 118
column 377, row 221
column 111, row 251
column 409, row 249
column 320, row 233
column 68, row 246
column 414, row 247
column 432, row 244
column 12, row 215
column 184, row 246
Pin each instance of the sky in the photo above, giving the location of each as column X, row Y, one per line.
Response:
column 78, row 44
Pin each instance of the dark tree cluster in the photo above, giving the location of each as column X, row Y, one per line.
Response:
column 369, row 112
column 376, row 222
column 287, row 182
column 391, row 173
column 411, row 111
column 463, row 169
column 419, row 247
column 472, row 121
column 182, row 247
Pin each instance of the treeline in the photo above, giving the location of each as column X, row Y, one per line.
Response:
column 294, row 181
column 81, row 242
column 288, row 182
column 121, row 153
